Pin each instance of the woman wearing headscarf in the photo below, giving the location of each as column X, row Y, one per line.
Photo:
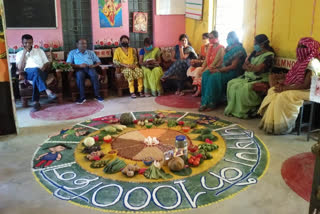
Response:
column 183, row 54
column 243, row 101
column 214, row 80
column 280, row 108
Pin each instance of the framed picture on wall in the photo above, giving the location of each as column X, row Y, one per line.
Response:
column 110, row 13
column 140, row 22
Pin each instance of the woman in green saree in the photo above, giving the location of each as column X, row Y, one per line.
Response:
column 243, row 101
column 149, row 59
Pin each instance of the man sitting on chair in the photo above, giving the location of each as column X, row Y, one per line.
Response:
column 34, row 62
column 84, row 62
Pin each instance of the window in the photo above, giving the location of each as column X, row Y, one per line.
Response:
column 229, row 17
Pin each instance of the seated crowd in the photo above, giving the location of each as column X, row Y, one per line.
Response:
column 218, row 74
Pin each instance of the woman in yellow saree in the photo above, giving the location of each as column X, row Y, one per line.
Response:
column 280, row 108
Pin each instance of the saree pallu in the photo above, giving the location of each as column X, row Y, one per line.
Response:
column 280, row 110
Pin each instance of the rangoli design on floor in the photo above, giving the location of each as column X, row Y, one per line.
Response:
column 131, row 162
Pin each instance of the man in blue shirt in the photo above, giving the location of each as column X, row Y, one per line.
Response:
column 85, row 62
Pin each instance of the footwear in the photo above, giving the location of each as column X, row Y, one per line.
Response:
column 81, row 100
column 133, row 96
column 141, row 94
column 202, row 108
column 148, row 95
column 52, row 97
column 99, row 98
column 181, row 94
column 36, row 107
column 197, row 94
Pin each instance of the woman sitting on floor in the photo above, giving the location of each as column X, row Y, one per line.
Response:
column 195, row 70
column 214, row 80
column 149, row 58
column 183, row 54
column 243, row 101
column 280, row 108
column 126, row 58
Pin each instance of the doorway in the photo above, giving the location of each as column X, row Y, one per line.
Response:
column 229, row 17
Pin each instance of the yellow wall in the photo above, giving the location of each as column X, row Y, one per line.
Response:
column 292, row 20
column 195, row 28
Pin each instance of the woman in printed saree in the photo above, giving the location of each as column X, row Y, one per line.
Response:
column 196, row 64
column 183, row 55
column 214, row 80
column 126, row 58
column 149, row 59
column 280, row 108
column 243, row 101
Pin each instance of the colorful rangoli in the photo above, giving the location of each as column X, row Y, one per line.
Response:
column 138, row 166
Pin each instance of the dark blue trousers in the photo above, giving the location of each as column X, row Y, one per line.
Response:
column 38, row 79
column 81, row 77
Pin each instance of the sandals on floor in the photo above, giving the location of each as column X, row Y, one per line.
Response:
column 197, row 94
column 133, row 96
column 202, row 108
column 141, row 94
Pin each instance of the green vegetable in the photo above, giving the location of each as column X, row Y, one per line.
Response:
column 208, row 136
column 190, row 124
column 158, row 121
column 110, row 129
column 172, row 123
column 99, row 163
column 126, row 119
column 114, row 166
column 120, row 128
column 206, row 131
column 155, row 173
column 207, row 147
column 205, row 155
column 197, row 131
column 61, row 65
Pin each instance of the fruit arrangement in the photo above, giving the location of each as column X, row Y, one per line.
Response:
column 126, row 119
column 195, row 160
column 89, row 150
column 107, row 139
column 95, row 156
column 130, row 170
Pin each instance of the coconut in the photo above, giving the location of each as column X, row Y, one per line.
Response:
column 176, row 164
